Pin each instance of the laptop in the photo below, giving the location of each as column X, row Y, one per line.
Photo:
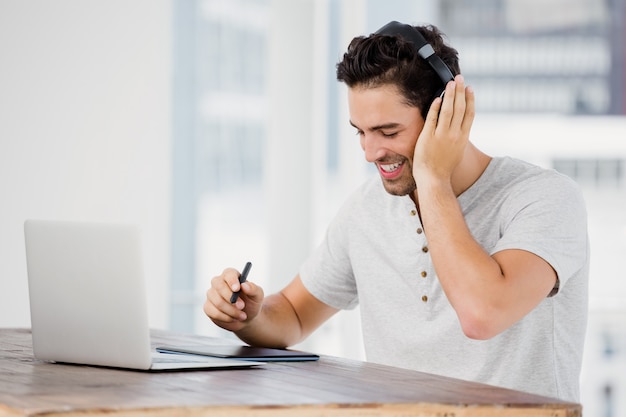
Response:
column 88, row 300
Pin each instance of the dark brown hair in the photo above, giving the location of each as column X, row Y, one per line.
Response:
column 377, row 60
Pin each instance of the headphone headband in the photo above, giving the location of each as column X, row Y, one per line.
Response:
column 423, row 48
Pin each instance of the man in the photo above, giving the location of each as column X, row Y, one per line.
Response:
column 464, row 265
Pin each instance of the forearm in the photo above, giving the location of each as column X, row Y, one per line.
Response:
column 471, row 279
column 276, row 325
column 488, row 292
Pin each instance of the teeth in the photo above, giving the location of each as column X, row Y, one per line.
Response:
column 391, row 167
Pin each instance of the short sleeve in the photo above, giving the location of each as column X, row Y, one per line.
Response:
column 547, row 216
column 327, row 273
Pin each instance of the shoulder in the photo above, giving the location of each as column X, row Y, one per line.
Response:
column 548, row 185
column 526, row 180
column 517, row 169
column 515, row 190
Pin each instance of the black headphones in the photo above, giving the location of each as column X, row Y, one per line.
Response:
column 424, row 49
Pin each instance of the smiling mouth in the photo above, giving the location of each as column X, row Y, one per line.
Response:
column 390, row 168
column 391, row 171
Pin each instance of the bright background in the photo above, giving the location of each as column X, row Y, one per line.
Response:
column 218, row 127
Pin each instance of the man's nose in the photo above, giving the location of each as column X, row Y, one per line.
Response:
column 372, row 147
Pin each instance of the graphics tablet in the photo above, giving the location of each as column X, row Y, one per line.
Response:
column 246, row 353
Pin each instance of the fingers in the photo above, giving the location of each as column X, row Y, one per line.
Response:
column 457, row 110
column 218, row 306
column 447, row 106
column 444, row 137
column 470, row 111
column 432, row 118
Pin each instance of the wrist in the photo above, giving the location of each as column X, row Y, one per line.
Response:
column 426, row 179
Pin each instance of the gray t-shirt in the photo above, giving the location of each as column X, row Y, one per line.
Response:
column 375, row 254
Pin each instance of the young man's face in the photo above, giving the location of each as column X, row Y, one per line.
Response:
column 388, row 129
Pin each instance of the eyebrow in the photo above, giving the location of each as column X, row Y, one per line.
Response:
column 391, row 125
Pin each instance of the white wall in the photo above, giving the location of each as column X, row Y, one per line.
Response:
column 84, row 129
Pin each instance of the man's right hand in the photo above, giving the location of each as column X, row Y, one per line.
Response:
column 236, row 316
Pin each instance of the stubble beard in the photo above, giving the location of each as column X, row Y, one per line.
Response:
column 404, row 185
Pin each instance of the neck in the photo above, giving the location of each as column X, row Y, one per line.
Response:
column 472, row 166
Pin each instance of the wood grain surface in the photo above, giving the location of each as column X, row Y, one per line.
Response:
column 328, row 387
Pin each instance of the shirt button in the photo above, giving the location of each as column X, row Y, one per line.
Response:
column 425, row 249
column 419, row 230
column 424, row 298
column 413, row 212
column 424, row 274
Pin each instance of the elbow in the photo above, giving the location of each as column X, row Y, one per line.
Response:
column 480, row 325
column 477, row 332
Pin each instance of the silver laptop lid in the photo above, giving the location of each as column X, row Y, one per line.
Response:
column 87, row 293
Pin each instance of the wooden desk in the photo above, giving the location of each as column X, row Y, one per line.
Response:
column 328, row 387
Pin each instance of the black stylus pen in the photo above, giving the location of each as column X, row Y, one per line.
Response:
column 242, row 279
